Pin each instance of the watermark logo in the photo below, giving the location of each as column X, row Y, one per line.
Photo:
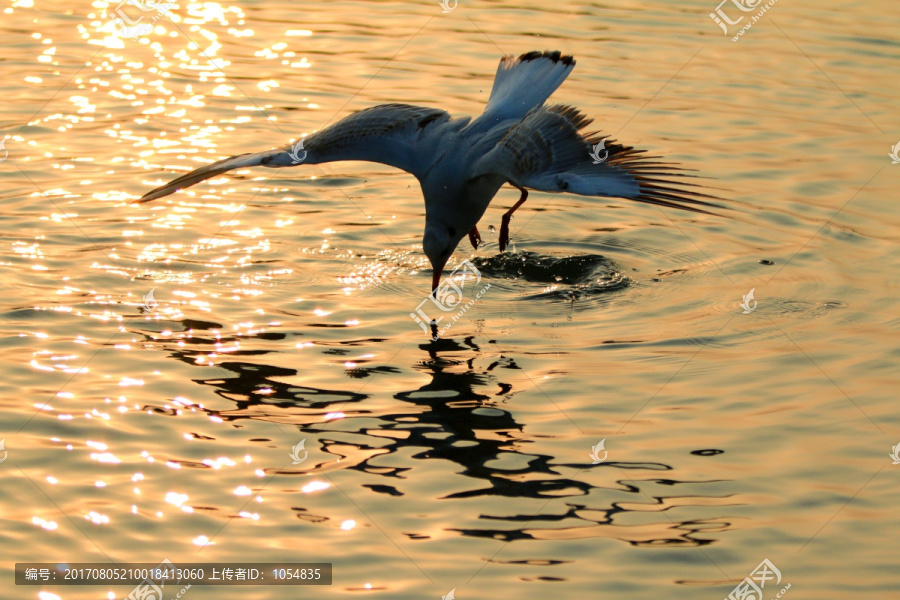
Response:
column 895, row 456
column 751, row 587
column 5, row 452
column 595, row 452
column 895, row 153
column 295, row 452
column 448, row 7
column 595, row 154
column 131, row 23
column 748, row 298
column 150, row 303
column 296, row 157
column 447, row 297
column 5, row 153
column 721, row 18
column 151, row 588
column 449, row 595
column 744, row 6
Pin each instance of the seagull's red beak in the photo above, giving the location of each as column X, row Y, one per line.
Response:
column 436, row 280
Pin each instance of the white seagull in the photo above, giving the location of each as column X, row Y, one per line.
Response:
column 461, row 163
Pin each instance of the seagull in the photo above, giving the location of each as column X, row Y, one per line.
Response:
column 461, row 163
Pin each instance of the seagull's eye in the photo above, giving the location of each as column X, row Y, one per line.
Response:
column 451, row 231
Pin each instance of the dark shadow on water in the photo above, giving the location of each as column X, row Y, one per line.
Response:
column 463, row 414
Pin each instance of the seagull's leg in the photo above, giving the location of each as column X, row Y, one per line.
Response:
column 504, row 222
column 475, row 237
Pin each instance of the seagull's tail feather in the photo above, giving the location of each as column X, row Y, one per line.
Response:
column 209, row 171
column 526, row 82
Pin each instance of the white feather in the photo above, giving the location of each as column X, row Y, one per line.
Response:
column 526, row 82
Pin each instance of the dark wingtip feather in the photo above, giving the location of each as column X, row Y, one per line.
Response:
column 655, row 177
column 671, row 194
column 572, row 114
column 647, row 199
column 554, row 55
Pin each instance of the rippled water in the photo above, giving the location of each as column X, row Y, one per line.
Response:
column 139, row 430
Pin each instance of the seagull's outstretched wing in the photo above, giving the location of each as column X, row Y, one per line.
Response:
column 399, row 135
column 547, row 152
column 209, row 171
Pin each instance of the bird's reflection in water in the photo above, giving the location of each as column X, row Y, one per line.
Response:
column 458, row 416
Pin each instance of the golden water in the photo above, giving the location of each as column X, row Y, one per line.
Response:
column 462, row 464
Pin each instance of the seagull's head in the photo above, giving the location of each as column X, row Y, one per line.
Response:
column 439, row 241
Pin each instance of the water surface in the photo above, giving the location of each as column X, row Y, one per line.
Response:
column 282, row 300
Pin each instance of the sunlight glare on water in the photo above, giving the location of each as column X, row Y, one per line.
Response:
column 235, row 373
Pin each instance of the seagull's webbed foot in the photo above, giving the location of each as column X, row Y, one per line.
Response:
column 475, row 237
column 504, row 222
